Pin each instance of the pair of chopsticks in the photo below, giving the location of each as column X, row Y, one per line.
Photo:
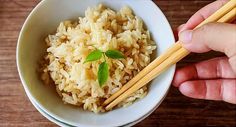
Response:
column 174, row 54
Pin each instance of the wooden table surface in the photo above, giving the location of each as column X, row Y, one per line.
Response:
column 176, row 110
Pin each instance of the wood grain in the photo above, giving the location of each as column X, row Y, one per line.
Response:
column 176, row 110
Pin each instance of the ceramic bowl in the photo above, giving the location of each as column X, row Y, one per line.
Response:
column 45, row 18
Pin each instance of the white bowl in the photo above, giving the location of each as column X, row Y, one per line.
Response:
column 44, row 20
column 60, row 123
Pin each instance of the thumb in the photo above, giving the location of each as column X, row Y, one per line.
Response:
column 214, row 36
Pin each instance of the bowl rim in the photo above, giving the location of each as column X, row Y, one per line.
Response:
column 135, row 121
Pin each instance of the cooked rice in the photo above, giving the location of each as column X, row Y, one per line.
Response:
column 104, row 29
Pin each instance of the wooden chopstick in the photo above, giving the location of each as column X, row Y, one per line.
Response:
column 168, row 61
column 178, row 55
column 229, row 17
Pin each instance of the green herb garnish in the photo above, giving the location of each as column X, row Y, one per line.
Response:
column 103, row 70
column 114, row 54
column 102, row 73
column 93, row 56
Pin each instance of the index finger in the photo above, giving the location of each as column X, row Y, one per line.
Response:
column 202, row 14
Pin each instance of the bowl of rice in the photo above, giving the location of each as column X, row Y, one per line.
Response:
column 73, row 55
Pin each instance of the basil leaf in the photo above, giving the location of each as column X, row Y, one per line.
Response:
column 93, row 56
column 102, row 73
column 114, row 54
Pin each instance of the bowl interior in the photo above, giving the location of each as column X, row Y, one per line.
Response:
column 44, row 20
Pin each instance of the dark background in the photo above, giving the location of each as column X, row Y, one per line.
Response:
column 176, row 110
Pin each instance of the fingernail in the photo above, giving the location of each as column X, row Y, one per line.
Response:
column 186, row 36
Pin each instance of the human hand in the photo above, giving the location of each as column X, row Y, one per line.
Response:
column 214, row 79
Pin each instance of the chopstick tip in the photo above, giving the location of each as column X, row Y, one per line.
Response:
column 108, row 107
